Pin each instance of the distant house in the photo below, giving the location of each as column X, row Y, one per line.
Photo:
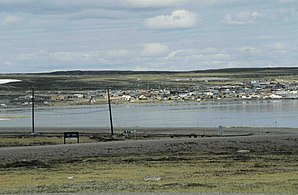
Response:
column 78, row 95
column 142, row 97
column 3, row 105
column 115, row 98
column 209, row 93
column 183, row 95
column 126, row 97
column 166, row 92
column 274, row 96
column 57, row 98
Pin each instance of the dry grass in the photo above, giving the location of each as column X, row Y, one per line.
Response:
column 158, row 173
column 25, row 140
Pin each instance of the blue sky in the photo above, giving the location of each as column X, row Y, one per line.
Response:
column 49, row 35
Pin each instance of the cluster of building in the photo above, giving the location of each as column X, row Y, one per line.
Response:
column 256, row 89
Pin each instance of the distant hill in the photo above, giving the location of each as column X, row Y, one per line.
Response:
column 126, row 80
column 106, row 72
column 244, row 70
column 285, row 70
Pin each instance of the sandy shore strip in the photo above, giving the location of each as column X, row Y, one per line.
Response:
column 155, row 130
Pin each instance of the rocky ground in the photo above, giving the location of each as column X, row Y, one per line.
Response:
column 257, row 140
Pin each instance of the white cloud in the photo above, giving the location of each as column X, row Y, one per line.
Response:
column 85, row 33
column 194, row 55
column 8, row 63
column 241, row 18
column 282, row 47
column 155, row 3
column 212, row 50
column 286, row 1
column 117, row 53
column 154, row 49
column 249, row 50
column 70, row 56
column 87, row 56
column 41, row 7
column 179, row 19
column 27, row 57
column 44, row 7
column 99, row 13
column 8, row 20
column 189, row 59
column 180, row 53
column 226, row 2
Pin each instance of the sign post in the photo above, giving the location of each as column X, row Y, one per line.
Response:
column 72, row 135
column 220, row 130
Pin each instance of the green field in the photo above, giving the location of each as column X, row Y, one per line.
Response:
column 181, row 172
column 45, row 139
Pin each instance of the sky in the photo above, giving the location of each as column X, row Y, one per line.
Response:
column 141, row 35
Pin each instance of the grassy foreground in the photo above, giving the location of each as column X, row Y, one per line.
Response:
column 39, row 140
column 239, row 172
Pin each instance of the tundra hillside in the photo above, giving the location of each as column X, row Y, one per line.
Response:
column 89, row 87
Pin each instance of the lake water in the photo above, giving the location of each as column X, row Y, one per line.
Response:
column 269, row 113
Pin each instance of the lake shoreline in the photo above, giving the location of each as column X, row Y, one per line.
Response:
column 158, row 130
column 66, row 105
column 227, row 114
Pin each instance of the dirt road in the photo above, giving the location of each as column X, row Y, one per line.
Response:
column 270, row 143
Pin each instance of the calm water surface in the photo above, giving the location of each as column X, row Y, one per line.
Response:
column 269, row 113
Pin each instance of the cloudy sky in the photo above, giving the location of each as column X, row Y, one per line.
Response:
column 49, row 35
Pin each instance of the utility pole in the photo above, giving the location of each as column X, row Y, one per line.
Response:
column 110, row 110
column 33, row 101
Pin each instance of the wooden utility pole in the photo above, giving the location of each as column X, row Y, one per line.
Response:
column 33, row 101
column 110, row 111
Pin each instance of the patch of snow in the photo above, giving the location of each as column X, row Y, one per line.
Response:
column 152, row 178
column 4, row 119
column 4, row 81
column 243, row 151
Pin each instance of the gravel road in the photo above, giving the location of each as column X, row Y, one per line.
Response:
column 272, row 143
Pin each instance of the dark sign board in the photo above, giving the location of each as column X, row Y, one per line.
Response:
column 71, row 135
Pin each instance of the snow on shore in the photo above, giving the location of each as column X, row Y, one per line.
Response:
column 4, row 81
column 4, row 119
